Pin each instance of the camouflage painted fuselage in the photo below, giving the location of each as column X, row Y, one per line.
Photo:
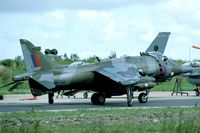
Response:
column 194, row 76
column 91, row 77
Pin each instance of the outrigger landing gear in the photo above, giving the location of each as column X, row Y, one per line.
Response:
column 1, row 97
column 143, row 97
column 50, row 96
column 129, row 97
column 197, row 91
column 85, row 95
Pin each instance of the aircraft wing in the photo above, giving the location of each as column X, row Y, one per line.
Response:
column 121, row 72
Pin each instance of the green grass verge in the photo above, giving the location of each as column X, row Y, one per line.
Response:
column 127, row 120
column 169, row 85
column 22, row 89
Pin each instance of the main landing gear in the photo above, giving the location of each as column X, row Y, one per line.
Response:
column 50, row 97
column 98, row 99
column 197, row 90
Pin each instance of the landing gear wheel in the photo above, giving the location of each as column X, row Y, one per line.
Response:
column 143, row 98
column 129, row 97
column 50, row 96
column 85, row 95
column 94, row 98
column 197, row 93
column 98, row 99
column 1, row 97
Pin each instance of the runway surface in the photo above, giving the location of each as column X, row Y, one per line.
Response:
column 12, row 103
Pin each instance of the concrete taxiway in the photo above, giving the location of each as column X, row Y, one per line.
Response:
column 14, row 103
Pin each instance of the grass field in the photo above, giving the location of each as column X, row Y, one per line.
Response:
column 169, row 85
column 151, row 120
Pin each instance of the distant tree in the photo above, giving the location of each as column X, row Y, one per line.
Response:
column 179, row 62
column 54, row 51
column 196, row 60
column 18, row 61
column 47, row 51
column 74, row 57
column 65, row 56
column 91, row 59
column 7, row 62
column 113, row 55
column 5, row 74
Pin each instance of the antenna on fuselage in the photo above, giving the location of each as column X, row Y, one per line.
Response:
column 98, row 59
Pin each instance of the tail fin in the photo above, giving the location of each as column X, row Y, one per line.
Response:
column 159, row 43
column 33, row 58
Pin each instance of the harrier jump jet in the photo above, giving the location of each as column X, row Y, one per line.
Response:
column 106, row 78
column 194, row 76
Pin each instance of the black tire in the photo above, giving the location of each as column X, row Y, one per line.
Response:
column 129, row 97
column 1, row 97
column 101, row 99
column 51, row 101
column 197, row 93
column 98, row 99
column 142, row 98
column 94, row 99
column 130, row 101
column 85, row 95
column 50, row 95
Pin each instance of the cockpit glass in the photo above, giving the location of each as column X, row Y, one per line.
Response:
column 171, row 61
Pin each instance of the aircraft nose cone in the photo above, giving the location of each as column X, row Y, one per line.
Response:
column 180, row 70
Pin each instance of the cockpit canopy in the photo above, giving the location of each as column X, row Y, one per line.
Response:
column 192, row 64
column 78, row 63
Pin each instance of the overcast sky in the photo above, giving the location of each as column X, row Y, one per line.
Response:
column 97, row 27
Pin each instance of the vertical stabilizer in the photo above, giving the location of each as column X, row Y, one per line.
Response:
column 33, row 58
column 159, row 43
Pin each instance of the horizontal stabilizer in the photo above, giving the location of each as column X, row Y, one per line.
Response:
column 45, row 79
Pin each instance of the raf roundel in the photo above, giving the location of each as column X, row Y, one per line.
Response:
column 156, row 47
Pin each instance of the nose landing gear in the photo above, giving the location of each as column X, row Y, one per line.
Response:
column 129, row 97
column 143, row 97
column 50, row 98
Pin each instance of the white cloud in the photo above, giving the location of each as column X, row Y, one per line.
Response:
column 88, row 15
column 182, row 6
column 127, row 29
column 58, row 14
column 110, row 29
